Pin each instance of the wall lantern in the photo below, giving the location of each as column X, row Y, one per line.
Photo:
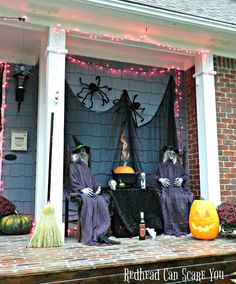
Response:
column 20, row 84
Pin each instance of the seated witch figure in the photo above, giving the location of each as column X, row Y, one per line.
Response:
column 94, row 216
column 171, row 182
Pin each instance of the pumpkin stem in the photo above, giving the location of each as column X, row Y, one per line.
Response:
column 16, row 212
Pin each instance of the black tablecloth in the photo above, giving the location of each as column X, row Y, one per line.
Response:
column 127, row 205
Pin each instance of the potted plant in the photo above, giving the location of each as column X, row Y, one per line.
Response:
column 227, row 216
column 6, row 207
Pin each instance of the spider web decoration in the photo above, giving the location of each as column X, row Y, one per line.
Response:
column 133, row 106
column 92, row 89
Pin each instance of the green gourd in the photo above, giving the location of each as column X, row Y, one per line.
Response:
column 15, row 224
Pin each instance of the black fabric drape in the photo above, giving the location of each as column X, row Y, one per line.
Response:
column 159, row 131
column 102, row 130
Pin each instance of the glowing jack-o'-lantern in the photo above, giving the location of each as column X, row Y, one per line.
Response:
column 203, row 220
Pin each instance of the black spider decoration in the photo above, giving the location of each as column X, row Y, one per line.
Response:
column 133, row 106
column 92, row 89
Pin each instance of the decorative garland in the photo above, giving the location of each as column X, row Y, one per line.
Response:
column 137, row 39
column 143, row 71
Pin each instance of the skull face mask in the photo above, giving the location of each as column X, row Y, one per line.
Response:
column 170, row 154
column 80, row 157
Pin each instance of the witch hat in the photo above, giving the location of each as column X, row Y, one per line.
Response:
column 171, row 148
column 79, row 146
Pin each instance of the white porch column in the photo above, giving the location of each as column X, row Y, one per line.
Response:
column 53, row 102
column 40, row 185
column 207, row 128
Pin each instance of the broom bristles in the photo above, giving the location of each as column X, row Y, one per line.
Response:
column 47, row 233
column 48, row 209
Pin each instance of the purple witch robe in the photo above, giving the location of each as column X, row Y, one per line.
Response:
column 175, row 201
column 95, row 218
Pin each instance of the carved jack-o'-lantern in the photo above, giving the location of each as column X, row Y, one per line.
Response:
column 203, row 220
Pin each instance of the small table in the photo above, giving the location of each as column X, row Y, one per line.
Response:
column 127, row 203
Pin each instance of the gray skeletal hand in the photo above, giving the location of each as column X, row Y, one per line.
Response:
column 99, row 189
column 178, row 182
column 165, row 182
column 87, row 191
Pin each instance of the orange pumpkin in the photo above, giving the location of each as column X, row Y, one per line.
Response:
column 203, row 220
column 124, row 170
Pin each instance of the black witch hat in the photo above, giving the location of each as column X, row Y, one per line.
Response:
column 171, row 148
column 79, row 146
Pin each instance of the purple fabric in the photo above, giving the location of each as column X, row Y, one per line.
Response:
column 175, row 201
column 95, row 218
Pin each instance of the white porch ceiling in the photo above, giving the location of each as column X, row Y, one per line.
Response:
column 14, row 49
column 97, row 17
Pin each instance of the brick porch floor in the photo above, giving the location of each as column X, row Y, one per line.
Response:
column 169, row 257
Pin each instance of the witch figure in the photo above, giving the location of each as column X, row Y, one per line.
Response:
column 171, row 182
column 94, row 217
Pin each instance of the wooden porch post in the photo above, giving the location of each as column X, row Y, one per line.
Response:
column 52, row 100
column 207, row 128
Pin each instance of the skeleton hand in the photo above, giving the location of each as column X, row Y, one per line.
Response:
column 152, row 233
column 99, row 189
column 87, row 191
column 178, row 182
column 165, row 182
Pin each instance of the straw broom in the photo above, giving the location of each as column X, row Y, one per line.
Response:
column 47, row 233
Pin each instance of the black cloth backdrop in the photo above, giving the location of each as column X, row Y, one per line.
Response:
column 101, row 131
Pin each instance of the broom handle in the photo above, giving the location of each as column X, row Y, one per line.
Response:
column 50, row 156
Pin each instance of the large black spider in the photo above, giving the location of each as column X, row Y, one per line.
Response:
column 92, row 89
column 133, row 106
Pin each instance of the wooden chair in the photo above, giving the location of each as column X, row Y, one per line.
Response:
column 68, row 210
column 76, row 212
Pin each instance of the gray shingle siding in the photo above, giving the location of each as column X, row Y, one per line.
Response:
column 19, row 175
column 218, row 10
